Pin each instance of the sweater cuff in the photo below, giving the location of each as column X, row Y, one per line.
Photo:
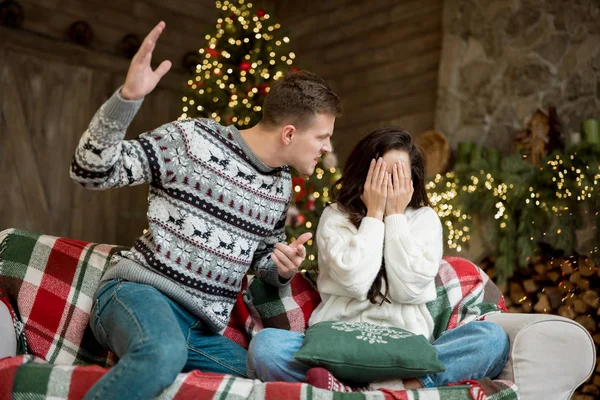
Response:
column 274, row 279
column 119, row 110
column 397, row 225
column 371, row 227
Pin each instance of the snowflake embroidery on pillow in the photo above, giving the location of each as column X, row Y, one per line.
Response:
column 371, row 333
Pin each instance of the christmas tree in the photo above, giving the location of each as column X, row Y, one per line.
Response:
column 235, row 69
column 310, row 197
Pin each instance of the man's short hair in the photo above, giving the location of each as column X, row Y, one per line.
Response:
column 297, row 98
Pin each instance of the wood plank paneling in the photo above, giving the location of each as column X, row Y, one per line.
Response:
column 51, row 90
column 111, row 20
column 381, row 57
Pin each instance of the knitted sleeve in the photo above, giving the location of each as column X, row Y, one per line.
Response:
column 413, row 252
column 262, row 264
column 103, row 159
column 350, row 258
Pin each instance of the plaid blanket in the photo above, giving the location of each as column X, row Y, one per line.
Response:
column 51, row 282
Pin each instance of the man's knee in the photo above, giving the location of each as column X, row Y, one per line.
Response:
column 166, row 357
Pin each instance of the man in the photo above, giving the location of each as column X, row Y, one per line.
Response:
column 217, row 206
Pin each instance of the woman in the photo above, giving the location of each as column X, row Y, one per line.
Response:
column 380, row 248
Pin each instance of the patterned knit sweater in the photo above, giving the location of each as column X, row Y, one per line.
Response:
column 215, row 209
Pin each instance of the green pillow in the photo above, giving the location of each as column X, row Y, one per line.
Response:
column 362, row 352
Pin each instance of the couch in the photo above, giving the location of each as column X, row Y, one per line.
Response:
column 47, row 349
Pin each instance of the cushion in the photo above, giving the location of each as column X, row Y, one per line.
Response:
column 51, row 281
column 362, row 352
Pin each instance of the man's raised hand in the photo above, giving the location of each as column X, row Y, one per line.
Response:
column 141, row 79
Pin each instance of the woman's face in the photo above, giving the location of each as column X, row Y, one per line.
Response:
column 394, row 156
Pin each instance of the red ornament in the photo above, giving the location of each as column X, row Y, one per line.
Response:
column 300, row 220
column 262, row 89
column 245, row 66
column 213, row 52
column 260, row 13
column 300, row 183
column 294, row 69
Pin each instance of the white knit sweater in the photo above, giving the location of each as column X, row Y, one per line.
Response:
column 350, row 258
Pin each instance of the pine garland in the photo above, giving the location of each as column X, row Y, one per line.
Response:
column 522, row 207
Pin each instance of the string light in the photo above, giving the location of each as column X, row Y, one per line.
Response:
column 219, row 74
column 572, row 182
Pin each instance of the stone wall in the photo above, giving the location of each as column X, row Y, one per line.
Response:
column 501, row 60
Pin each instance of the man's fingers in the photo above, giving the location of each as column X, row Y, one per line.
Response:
column 301, row 251
column 277, row 262
column 147, row 47
column 288, row 251
column 305, row 237
column 155, row 32
column 163, row 68
column 284, row 259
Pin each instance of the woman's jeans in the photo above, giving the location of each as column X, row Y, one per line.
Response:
column 473, row 351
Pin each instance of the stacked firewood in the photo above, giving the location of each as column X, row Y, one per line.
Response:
column 569, row 287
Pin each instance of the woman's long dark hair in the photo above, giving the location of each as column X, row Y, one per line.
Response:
column 373, row 146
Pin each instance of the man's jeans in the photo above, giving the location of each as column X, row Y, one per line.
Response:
column 472, row 351
column 155, row 339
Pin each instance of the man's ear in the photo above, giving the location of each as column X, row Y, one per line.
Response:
column 287, row 134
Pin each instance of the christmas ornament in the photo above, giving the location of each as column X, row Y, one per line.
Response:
column 213, row 52
column 80, row 32
column 244, row 65
column 129, row 45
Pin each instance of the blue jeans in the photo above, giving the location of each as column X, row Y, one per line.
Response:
column 472, row 351
column 155, row 339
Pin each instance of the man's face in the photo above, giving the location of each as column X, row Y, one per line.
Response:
column 310, row 143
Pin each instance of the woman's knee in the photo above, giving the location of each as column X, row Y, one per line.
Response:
column 264, row 345
column 494, row 336
column 270, row 356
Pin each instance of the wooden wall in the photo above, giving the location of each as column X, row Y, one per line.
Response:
column 187, row 21
column 381, row 57
column 50, row 91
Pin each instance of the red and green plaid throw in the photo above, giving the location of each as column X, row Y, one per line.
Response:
column 51, row 281
column 34, row 379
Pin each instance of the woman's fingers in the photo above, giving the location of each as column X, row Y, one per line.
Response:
column 396, row 178
column 370, row 173
column 378, row 173
column 382, row 174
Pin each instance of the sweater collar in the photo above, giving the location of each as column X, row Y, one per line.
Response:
column 251, row 155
